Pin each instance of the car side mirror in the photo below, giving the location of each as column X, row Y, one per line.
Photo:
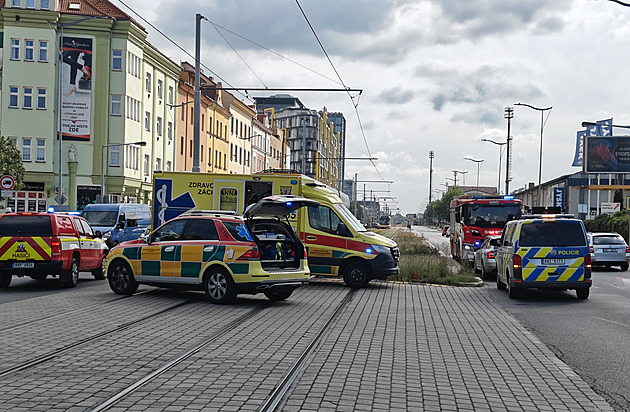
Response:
column 98, row 234
column 342, row 230
column 121, row 224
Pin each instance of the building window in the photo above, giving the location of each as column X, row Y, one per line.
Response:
column 26, row 149
column 13, row 96
column 40, row 155
column 117, row 60
column 170, row 94
column 158, row 164
column 146, row 164
column 15, row 49
column 159, row 88
column 43, row 50
column 203, row 121
column 158, row 125
column 41, row 98
column 169, row 131
column 13, row 140
column 45, row 4
column 15, row 3
column 30, row 4
column 168, row 166
column 147, row 121
column 116, row 105
column 28, row 98
column 148, row 83
column 29, row 50
column 181, row 145
column 114, row 156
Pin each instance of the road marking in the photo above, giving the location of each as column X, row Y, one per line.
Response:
column 611, row 321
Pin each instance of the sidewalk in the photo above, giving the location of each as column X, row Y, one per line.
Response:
column 429, row 348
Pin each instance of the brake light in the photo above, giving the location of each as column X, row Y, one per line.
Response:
column 627, row 249
column 55, row 247
column 491, row 254
column 305, row 254
column 587, row 261
column 250, row 254
column 590, row 249
column 516, row 261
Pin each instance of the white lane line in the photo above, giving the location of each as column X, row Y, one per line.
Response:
column 612, row 321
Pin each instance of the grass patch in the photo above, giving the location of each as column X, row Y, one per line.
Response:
column 421, row 262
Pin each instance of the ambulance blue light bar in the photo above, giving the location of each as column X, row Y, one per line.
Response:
column 508, row 197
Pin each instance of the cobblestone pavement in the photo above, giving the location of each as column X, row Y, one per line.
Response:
column 390, row 347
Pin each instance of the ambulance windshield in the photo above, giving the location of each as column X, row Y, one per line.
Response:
column 100, row 217
column 350, row 220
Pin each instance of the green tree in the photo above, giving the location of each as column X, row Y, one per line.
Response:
column 11, row 161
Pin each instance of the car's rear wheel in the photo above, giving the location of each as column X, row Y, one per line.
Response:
column 624, row 267
column 513, row 293
column 219, row 286
column 278, row 295
column 99, row 273
column 582, row 293
column 71, row 277
column 5, row 280
column 484, row 274
column 356, row 275
column 121, row 279
column 500, row 285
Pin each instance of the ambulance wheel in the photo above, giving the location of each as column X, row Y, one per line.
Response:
column 70, row 279
column 500, row 285
column 278, row 295
column 219, row 286
column 5, row 280
column 624, row 267
column 99, row 272
column 356, row 275
column 121, row 279
column 582, row 293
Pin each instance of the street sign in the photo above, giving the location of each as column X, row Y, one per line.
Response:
column 6, row 193
column 7, row 183
column 610, row 208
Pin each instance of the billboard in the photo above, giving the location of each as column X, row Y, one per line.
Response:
column 607, row 154
column 76, row 78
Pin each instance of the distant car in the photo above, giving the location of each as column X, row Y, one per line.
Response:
column 484, row 261
column 609, row 249
column 446, row 231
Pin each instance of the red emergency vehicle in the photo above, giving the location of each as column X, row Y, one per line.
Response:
column 475, row 217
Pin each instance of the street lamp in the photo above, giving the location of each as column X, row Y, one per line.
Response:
column 479, row 162
column 103, row 161
column 500, row 156
column 455, row 172
column 542, row 125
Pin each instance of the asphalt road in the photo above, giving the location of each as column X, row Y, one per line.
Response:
column 590, row 336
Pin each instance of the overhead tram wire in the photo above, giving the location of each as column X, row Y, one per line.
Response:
column 178, row 46
column 342, row 83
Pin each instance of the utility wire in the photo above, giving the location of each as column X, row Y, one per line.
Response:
column 178, row 46
column 342, row 83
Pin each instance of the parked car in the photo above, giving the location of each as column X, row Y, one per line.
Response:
column 118, row 222
column 484, row 261
column 446, row 231
column 609, row 249
column 43, row 244
column 219, row 252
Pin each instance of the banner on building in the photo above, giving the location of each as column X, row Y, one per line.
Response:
column 76, row 79
column 601, row 128
column 558, row 197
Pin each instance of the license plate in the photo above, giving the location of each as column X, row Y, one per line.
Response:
column 610, row 250
column 23, row 265
column 553, row 261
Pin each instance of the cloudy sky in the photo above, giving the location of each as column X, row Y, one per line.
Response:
column 436, row 76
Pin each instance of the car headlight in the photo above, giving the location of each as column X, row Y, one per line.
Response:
column 106, row 235
column 468, row 247
column 381, row 249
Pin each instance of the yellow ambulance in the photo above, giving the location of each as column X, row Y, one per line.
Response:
column 337, row 243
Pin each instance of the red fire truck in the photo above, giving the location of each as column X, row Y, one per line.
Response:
column 475, row 217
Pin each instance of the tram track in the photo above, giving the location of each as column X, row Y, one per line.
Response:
column 55, row 353
column 280, row 390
